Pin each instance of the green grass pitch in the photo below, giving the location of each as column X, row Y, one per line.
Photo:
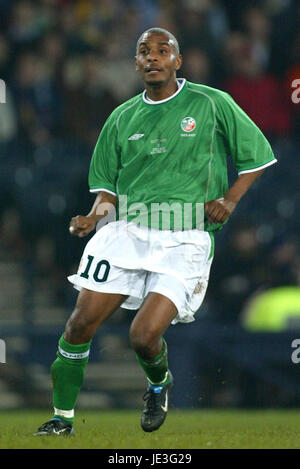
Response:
column 183, row 429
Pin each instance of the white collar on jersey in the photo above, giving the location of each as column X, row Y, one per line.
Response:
column 180, row 84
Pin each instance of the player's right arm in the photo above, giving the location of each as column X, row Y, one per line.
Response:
column 82, row 225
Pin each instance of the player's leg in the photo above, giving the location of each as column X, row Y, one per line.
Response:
column 91, row 310
column 67, row 371
column 146, row 336
column 147, row 329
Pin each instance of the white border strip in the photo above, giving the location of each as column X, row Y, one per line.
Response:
column 104, row 190
column 258, row 168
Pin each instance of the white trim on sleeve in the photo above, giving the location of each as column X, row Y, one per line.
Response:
column 104, row 190
column 258, row 168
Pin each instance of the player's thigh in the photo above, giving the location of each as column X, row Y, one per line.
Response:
column 153, row 318
column 91, row 310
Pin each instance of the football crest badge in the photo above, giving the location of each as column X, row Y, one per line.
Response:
column 188, row 124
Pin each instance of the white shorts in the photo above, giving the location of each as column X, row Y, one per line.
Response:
column 131, row 260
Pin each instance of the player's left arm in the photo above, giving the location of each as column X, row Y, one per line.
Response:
column 219, row 210
column 250, row 151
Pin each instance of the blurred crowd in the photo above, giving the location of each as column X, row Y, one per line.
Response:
column 67, row 64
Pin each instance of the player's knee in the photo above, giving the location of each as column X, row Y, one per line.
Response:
column 79, row 328
column 142, row 340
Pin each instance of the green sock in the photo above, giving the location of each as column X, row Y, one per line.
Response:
column 67, row 373
column 157, row 369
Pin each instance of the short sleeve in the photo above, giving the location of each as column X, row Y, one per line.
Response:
column 104, row 165
column 247, row 145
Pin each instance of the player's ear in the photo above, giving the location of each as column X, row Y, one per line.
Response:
column 178, row 62
column 136, row 64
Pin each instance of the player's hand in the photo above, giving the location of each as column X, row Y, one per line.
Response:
column 81, row 226
column 219, row 210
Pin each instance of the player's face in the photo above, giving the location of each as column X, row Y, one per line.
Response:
column 156, row 59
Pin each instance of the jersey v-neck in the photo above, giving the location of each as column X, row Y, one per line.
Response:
column 180, row 82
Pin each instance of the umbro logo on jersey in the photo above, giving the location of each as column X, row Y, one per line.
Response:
column 136, row 136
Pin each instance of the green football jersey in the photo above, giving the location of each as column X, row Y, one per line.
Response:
column 167, row 158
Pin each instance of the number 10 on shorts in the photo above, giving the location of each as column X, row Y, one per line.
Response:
column 99, row 272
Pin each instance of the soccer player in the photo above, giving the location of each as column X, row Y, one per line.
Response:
column 160, row 166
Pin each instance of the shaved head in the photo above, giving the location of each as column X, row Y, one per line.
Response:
column 172, row 39
column 157, row 61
